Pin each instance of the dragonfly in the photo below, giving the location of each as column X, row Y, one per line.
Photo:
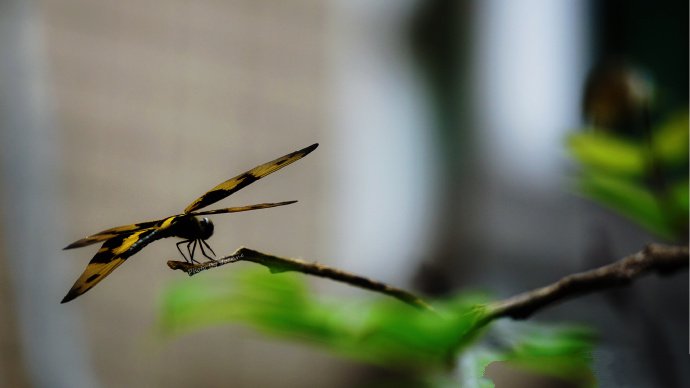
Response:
column 122, row 242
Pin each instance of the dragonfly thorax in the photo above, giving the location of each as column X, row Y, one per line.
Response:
column 192, row 228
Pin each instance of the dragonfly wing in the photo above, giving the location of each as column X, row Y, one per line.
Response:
column 238, row 209
column 110, row 233
column 245, row 179
column 94, row 273
column 113, row 253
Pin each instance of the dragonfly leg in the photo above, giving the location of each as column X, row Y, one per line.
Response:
column 180, row 250
column 201, row 246
column 209, row 247
column 192, row 250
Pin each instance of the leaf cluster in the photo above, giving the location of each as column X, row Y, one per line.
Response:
column 645, row 180
column 382, row 331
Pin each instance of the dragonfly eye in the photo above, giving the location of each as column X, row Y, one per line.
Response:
column 206, row 228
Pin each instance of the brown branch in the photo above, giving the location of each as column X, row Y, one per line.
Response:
column 277, row 264
column 662, row 259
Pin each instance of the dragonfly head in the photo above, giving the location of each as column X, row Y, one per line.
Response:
column 206, row 227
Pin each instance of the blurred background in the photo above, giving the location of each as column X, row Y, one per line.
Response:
column 442, row 167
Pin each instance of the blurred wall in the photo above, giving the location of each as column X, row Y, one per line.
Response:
column 383, row 179
column 41, row 342
column 145, row 106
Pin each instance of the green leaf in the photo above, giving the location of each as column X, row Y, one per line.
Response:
column 383, row 331
column 629, row 198
column 561, row 352
column 670, row 140
column 606, row 153
column 380, row 331
column 680, row 198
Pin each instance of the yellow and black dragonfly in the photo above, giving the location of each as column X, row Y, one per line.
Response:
column 124, row 241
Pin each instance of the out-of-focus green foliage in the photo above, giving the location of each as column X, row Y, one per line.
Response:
column 473, row 364
column 561, row 352
column 629, row 198
column 383, row 331
column 605, row 153
column 645, row 179
column 680, row 197
column 670, row 141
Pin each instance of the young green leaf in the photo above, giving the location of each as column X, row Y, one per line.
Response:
column 560, row 352
column 606, row 153
column 628, row 198
column 670, row 140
